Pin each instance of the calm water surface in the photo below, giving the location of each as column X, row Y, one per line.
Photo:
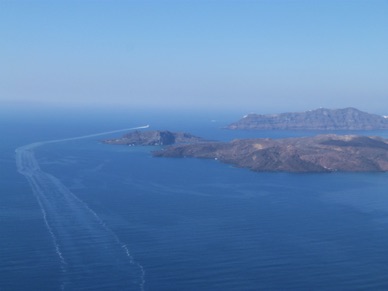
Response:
column 89, row 216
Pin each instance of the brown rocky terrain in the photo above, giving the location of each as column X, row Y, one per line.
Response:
column 153, row 138
column 324, row 153
column 319, row 119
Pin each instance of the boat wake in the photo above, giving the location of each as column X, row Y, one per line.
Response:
column 90, row 254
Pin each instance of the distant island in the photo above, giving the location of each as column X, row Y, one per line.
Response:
column 154, row 138
column 323, row 153
column 318, row 119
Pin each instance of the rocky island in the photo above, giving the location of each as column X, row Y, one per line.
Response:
column 323, row 153
column 319, row 119
column 154, row 138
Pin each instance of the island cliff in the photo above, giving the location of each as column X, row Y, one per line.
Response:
column 319, row 119
column 154, row 138
column 324, row 153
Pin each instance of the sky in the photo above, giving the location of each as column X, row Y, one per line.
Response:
column 253, row 56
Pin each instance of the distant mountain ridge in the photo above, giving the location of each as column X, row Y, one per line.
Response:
column 318, row 119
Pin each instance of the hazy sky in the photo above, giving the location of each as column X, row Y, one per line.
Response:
column 251, row 55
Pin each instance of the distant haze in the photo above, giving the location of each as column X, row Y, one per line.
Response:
column 251, row 56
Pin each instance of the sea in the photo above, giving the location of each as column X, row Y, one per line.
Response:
column 77, row 214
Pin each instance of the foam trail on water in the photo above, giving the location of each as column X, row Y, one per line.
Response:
column 86, row 247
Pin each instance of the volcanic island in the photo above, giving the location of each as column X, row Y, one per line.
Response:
column 321, row 153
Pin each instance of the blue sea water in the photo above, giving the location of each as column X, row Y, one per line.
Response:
column 82, row 215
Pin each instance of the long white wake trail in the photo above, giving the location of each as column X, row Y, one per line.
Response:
column 91, row 255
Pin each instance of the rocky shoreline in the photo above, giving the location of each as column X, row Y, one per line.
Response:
column 154, row 138
column 324, row 153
